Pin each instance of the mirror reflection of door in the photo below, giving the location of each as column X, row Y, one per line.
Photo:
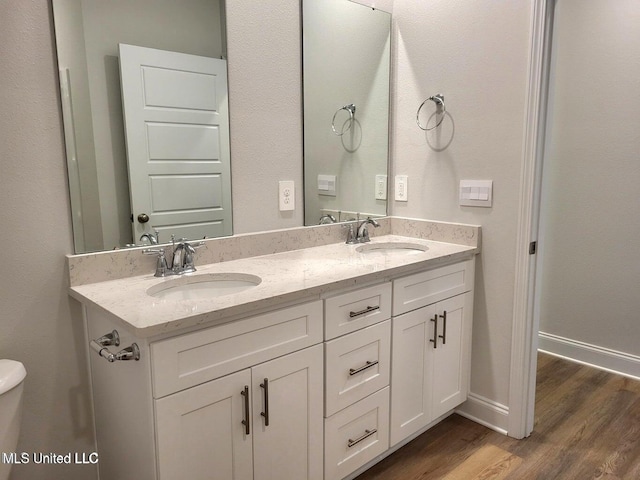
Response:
column 177, row 138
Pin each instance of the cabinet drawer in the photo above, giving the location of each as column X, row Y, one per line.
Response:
column 356, row 365
column 425, row 288
column 351, row 311
column 187, row 360
column 356, row 435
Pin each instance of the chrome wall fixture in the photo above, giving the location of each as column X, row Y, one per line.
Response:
column 351, row 108
column 438, row 99
column 99, row 345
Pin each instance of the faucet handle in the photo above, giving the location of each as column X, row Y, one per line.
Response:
column 351, row 234
column 162, row 268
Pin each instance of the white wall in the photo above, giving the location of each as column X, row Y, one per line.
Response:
column 590, row 273
column 39, row 325
column 475, row 54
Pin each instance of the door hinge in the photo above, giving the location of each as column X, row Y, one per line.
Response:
column 532, row 248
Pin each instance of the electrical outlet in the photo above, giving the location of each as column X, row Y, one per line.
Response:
column 286, row 196
column 381, row 187
column 401, row 190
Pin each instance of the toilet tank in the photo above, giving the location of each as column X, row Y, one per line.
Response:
column 12, row 376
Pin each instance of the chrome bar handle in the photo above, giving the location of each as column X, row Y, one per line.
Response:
column 444, row 328
column 434, row 340
column 246, row 421
column 99, row 345
column 354, row 371
column 365, row 435
column 363, row 312
column 265, row 414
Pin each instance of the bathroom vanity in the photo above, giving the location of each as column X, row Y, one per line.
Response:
column 338, row 356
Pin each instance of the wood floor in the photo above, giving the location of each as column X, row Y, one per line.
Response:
column 587, row 427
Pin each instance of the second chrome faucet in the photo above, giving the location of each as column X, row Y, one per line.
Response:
column 361, row 234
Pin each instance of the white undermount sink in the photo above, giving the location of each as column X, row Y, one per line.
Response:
column 203, row 286
column 392, row 248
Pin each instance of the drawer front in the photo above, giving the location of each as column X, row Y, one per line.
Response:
column 354, row 310
column 356, row 435
column 356, row 365
column 425, row 288
column 197, row 357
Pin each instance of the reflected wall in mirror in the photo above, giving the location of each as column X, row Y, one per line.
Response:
column 346, row 62
column 88, row 33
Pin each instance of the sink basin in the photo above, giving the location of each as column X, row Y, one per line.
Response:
column 203, row 286
column 392, row 248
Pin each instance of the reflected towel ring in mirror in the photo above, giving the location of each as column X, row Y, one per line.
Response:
column 438, row 99
column 351, row 108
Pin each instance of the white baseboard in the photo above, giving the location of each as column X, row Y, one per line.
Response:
column 592, row 355
column 486, row 412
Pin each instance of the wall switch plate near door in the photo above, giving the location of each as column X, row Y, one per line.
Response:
column 286, row 197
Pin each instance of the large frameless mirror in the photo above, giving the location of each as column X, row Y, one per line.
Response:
column 346, row 63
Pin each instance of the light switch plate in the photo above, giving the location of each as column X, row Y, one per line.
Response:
column 286, row 195
column 476, row 193
column 327, row 185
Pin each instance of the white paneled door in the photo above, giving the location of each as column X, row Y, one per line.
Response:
column 177, row 132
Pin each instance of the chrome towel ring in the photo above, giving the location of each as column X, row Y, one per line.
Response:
column 438, row 99
column 351, row 108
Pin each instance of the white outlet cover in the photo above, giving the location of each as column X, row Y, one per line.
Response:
column 381, row 187
column 401, row 188
column 286, row 195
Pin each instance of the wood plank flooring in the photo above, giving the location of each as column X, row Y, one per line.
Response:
column 587, row 427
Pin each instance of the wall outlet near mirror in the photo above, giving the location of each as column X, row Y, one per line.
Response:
column 381, row 187
column 286, row 197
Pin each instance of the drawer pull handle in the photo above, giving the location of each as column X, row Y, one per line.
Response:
column 434, row 340
column 245, row 422
column 354, row 371
column 366, row 434
column 364, row 312
column 265, row 414
column 444, row 327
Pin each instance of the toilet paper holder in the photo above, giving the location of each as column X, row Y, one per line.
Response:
column 99, row 345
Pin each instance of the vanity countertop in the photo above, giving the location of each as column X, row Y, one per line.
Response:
column 287, row 277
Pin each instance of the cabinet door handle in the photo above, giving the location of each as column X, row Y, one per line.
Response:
column 265, row 414
column 353, row 371
column 434, row 340
column 245, row 422
column 366, row 434
column 444, row 327
column 365, row 311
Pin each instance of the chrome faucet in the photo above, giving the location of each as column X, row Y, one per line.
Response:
column 153, row 238
column 326, row 218
column 362, row 236
column 182, row 258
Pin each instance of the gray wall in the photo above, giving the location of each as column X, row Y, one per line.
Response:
column 590, row 277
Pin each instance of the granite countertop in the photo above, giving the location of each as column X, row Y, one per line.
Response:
column 287, row 277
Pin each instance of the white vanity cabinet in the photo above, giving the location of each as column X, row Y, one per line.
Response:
column 241, row 400
column 357, row 374
column 262, row 423
column 431, row 346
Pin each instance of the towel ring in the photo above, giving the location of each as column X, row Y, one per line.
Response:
column 351, row 108
column 438, row 99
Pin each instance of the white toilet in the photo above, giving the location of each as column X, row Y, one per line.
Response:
column 12, row 375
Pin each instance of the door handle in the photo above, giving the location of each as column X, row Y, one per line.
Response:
column 143, row 218
column 246, row 421
column 434, row 340
column 265, row 414
column 444, row 327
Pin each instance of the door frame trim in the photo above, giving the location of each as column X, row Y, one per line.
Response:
column 524, row 338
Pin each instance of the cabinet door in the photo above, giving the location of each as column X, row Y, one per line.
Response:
column 288, row 420
column 411, row 372
column 451, row 357
column 201, row 431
